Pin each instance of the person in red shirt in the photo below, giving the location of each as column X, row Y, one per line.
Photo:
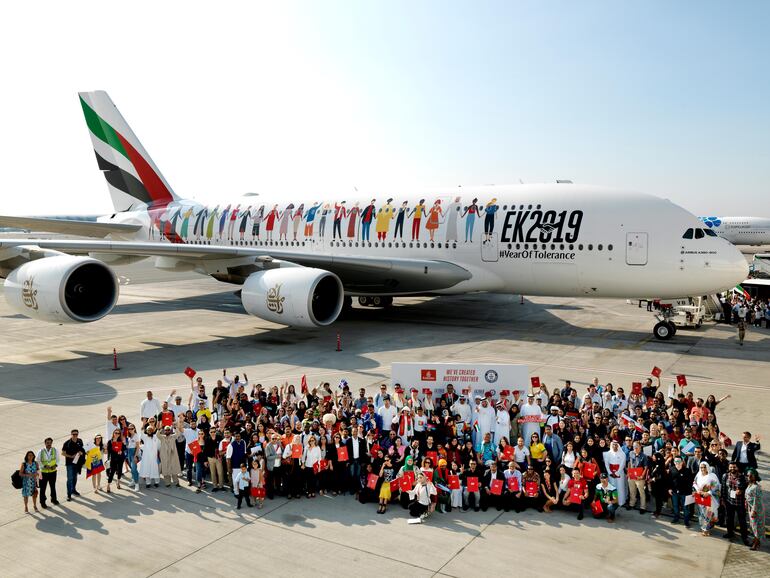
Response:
column 578, row 482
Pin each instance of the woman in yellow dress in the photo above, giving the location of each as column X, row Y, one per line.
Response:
column 433, row 215
column 384, row 215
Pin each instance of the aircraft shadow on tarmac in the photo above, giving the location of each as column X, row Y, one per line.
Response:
column 435, row 322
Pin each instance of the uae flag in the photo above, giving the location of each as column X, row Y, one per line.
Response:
column 742, row 291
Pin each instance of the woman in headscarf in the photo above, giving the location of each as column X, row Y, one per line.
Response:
column 407, row 467
column 754, row 507
column 707, row 485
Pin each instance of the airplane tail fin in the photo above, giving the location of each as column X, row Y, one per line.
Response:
column 132, row 177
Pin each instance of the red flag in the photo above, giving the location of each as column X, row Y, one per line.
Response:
column 496, row 487
column 304, row 384
column 371, row 481
column 508, row 453
column 472, row 484
column 433, row 457
column 453, row 482
column 531, row 489
column 596, row 507
column 190, row 372
column 405, row 483
column 635, row 473
column 296, row 451
column 535, row 382
column 702, row 501
column 681, row 380
column 342, row 454
column 513, row 484
column 636, row 388
column 257, row 492
column 195, row 447
column 589, row 470
column 656, row 371
column 167, row 418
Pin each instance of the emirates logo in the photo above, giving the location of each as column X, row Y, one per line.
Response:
column 29, row 294
column 274, row 300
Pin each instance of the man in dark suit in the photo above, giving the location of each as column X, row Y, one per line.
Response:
column 358, row 457
column 745, row 451
column 488, row 498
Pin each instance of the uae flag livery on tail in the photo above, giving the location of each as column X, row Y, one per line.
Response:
column 132, row 177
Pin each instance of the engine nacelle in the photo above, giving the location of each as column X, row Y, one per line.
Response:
column 297, row 296
column 62, row 289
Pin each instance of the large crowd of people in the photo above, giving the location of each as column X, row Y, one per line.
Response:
column 593, row 453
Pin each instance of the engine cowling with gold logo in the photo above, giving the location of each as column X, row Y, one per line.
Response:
column 297, row 296
column 62, row 289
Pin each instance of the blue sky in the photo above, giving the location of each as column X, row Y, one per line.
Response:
column 666, row 97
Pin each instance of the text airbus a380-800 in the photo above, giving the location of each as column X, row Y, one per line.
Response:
column 300, row 263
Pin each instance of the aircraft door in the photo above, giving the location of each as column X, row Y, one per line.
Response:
column 636, row 248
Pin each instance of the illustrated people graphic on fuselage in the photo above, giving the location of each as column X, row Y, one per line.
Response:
column 489, row 219
column 257, row 221
column 367, row 215
column 297, row 219
column 231, row 225
column 283, row 231
column 452, row 212
column 186, row 223
column 170, row 229
column 155, row 222
column 402, row 211
column 223, row 222
column 471, row 213
column 200, row 223
column 270, row 219
column 212, row 220
column 322, row 222
column 433, row 216
column 310, row 218
column 353, row 214
column 417, row 212
column 339, row 214
column 245, row 215
column 384, row 216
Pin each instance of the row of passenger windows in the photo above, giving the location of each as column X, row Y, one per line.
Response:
column 698, row 233
column 415, row 245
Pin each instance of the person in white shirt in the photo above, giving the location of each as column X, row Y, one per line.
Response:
column 379, row 399
column 149, row 407
column 421, row 493
column 112, row 423
column 310, row 457
column 242, row 483
column 387, row 414
column 462, row 408
column 175, row 404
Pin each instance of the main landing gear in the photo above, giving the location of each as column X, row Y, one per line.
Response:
column 375, row 301
column 664, row 330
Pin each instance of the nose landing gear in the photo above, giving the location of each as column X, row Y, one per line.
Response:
column 664, row 330
column 375, row 301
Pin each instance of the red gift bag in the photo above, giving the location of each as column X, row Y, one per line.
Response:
column 681, row 380
column 167, row 419
column 342, row 454
column 496, row 487
column 429, row 475
column 257, row 492
column 535, row 382
column 433, row 456
column 374, row 449
column 189, row 372
column 296, row 451
column 472, row 484
column 410, row 474
column 596, row 507
column 453, row 482
column 393, row 486
column 589, row 470
column 195, row 447
column 405, row 483
column 531, row 489
column 656, row 371
column 371, row 481
column 508, row 453
column 635, row 473
column 513, row 484
column 576, row 494
column 703, row 501
column 636, row 388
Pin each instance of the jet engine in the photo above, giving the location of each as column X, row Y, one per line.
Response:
column 62, row 289
column 297, row 296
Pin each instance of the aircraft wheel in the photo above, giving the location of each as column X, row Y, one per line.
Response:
column 662, row 330
column 673, row 328
column 376, row 301
column 364, row 301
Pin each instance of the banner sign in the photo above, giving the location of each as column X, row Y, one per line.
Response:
column 478, row 379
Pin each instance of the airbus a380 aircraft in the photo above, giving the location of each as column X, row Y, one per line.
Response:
column 300, row 263
column 740, row 230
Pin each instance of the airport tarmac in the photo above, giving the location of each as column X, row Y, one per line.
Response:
column 53, row 378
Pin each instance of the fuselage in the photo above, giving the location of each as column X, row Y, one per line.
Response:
column 560, row 239
column 740, row 230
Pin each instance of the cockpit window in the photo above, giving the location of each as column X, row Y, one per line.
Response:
column 687, row 234
column 699, row 234
column 709, row 232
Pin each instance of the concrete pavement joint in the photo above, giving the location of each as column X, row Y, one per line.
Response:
column 460, row 551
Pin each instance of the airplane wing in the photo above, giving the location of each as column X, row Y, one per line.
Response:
column 358, row 273
column 67, row 226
